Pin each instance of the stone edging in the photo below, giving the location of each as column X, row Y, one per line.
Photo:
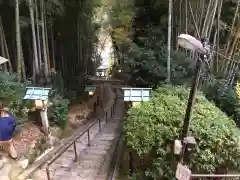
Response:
column 33, row 167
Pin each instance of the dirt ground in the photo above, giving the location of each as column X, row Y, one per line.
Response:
column 28, row 134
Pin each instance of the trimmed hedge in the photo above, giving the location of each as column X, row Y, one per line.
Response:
column 152, row 127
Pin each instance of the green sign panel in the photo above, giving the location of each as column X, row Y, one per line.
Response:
column 90, row 88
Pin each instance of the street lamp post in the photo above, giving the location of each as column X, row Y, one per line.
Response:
column 188, row 42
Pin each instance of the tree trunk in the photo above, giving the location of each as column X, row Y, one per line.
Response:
column 46, row 35
column 40, row 61
column 206, row 20
column 31, row 6
column 3, row 54
column 53, row 48
column 18, row 41
column 30, row 54
column 169, row 41
column 218, row 34
column 232, row 28
column 44, row 41
column 6, row 48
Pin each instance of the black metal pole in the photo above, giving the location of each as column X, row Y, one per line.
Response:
column 191, row 99
column 130, row 157
column 130, row 164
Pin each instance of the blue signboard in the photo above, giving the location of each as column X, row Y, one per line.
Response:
column 137, row 94
column 37, row 93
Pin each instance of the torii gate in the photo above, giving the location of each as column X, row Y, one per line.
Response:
column 98, row 81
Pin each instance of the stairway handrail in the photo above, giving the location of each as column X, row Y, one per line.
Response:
column 73, row 141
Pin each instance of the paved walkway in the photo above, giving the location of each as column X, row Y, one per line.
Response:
column 90, row 158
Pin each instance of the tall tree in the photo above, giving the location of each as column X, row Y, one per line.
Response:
column 35, row 51
column 44, row 44
column 18, row 41
column 169, row 40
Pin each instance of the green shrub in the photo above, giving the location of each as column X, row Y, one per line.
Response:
column 147, row 59
column 58, row 112
column 58, row 83
column 19, row 109
column 10, row 88
column 152, row 127
column 225, row 97
column 11, row 95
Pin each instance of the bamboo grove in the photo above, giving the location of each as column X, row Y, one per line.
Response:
column 42, row 37
column 216, row 20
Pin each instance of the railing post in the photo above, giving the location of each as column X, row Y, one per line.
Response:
column 114, row 106
column 88, row 132
column 99, row 124
column 48, row 173
column 106, row 116
column 130, row 164
column 75, row 151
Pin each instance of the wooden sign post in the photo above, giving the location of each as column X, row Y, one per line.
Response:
column 40, row 97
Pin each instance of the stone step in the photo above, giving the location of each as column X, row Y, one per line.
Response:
column 90, row 158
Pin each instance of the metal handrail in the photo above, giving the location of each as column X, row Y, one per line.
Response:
column 115, row 158
column 73, row 142
column 116, row 154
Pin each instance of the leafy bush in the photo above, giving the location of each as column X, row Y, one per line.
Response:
column 19, row 109
column 11, row 94
column 147, row 58
column 225, row 97
column 152, row 127
column 10, row 88
column 58, row 112
column 58, row 83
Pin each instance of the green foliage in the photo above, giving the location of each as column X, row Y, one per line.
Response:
column 148, row 60
column 19, row 109
column 11, row 94
column 58, row 112
column 58, row 83
column 224, row 96
column 10, row 88
column 152, row 127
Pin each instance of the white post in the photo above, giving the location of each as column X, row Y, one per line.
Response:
column 44, row 118
column 42, row 106
column 45, row 122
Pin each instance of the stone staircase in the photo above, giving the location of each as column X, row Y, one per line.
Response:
column 94, row 160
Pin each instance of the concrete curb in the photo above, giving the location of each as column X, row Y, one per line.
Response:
column 30, row 170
